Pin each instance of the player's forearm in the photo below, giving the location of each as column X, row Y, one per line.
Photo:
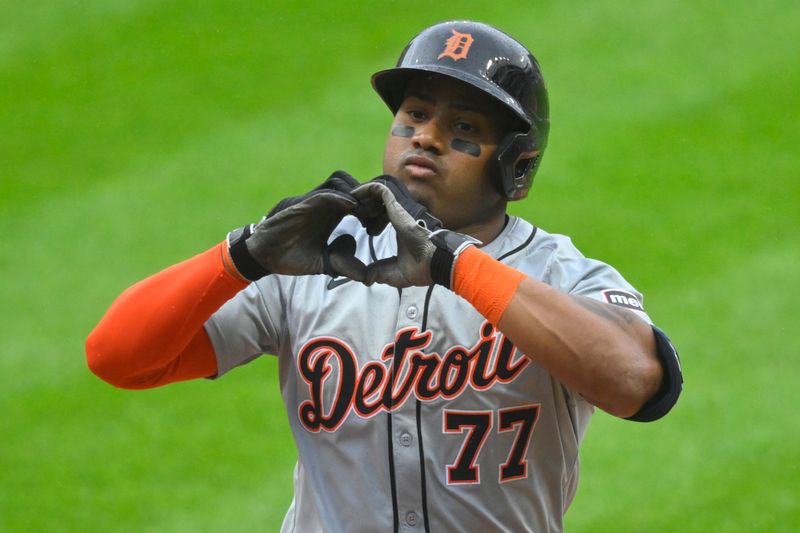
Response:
column 604, row 353
column 608, row 355
column 153, row 332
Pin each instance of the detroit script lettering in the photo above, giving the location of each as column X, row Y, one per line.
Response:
column 404, row 368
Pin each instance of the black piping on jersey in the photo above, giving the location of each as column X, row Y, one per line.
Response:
column 372, row 248
column 521, row 246
column 389, row 433
column 423, row 487
column 392, row 479
column 390, row 439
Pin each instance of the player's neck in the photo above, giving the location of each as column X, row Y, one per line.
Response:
column 486, row 231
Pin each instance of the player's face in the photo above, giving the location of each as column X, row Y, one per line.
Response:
column 440, row 145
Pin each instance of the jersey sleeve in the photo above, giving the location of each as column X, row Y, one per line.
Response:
column 573, row 273
column 245, row 327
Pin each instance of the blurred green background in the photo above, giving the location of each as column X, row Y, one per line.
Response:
column 134, row 133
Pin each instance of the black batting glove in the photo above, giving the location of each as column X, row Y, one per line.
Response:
column 374, row 217
column 339, row 181
column 293, row 238
column 423, row 256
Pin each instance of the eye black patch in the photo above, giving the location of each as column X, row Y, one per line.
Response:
column 402, row 130
column 466, row 147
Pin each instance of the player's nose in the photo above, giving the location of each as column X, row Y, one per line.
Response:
column 429, row 136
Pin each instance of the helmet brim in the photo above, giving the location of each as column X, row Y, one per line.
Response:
column 391, row 83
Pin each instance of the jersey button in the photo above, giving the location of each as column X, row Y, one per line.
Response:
column 406, row 439
column 412, row 312
column 412, row 518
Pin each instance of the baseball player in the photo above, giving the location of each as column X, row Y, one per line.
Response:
column 439, row 359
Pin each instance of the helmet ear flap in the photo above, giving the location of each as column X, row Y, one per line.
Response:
column 514, row 164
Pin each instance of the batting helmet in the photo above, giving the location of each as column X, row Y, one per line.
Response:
column 498, row 65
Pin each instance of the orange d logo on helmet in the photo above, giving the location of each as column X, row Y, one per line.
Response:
column 457, row 46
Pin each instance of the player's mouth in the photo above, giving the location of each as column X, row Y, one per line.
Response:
column 419, row 166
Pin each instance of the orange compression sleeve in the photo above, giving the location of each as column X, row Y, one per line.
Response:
column 485, row 282
column 153, row 333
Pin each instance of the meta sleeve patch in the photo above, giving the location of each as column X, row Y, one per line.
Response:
column 623, row 299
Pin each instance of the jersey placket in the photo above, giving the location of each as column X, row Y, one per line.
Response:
column 404, row 448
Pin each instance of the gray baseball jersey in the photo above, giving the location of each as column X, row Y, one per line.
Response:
column 409, row 410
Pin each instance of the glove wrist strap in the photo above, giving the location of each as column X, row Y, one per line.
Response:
column 442, row 267
column 449, row 245
column 247, row 266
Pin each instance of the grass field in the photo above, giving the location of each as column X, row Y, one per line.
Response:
column 135, row 133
